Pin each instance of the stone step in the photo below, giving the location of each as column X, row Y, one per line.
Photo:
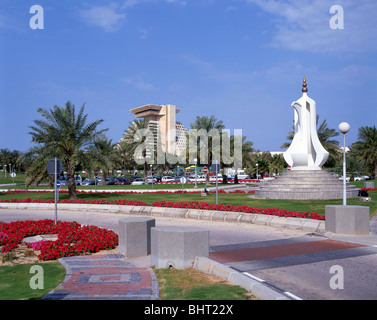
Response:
column 305, row 184
column 293, row 195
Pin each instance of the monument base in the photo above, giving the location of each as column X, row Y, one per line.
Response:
column 353, row 220
column 305, row 185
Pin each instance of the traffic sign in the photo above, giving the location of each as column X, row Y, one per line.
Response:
column 13, row 174
column 58, row 184
column 52, row 164
column 216, row 166
column 205, row 170
column 183, row 180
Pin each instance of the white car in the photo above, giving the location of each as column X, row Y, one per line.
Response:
column 151, row 179
column 138, row 182
column 167, row 179
column 361, row 178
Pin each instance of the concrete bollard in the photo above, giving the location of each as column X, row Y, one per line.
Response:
column 135, row 236
column 178, row 247
column 353, row 220
column 369, row 185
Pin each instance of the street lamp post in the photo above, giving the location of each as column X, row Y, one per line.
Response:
column 195, row 160
column 344, row 127
column 152, row 174
column 257, row 170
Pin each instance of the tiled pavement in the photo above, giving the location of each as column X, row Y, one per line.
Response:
column 105, row 277
column 286, row 252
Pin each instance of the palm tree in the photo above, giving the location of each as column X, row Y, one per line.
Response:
column 366, row 147
column 63, row 134
column 325, row 136
column 277, row 163
column 125, row 153
column 102, row 155
column 135, row 138
column 206, row 124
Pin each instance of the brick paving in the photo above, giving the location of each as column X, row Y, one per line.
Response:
column 286, row 252
column 104, row 277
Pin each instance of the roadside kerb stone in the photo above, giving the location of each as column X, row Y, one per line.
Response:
column 308, row 225
column 194, row 214
column 260, row 291
column 277, row 222
column 294, row 223
column 262, row 219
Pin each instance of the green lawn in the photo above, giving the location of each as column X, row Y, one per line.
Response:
column 231, row 199
column 190, row 284
column 15, row 280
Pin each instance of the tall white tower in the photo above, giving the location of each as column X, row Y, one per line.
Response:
column 306, row 151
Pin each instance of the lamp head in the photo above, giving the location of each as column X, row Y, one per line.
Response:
column 344, row 127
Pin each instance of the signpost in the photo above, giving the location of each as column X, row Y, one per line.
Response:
column 13, row 175
column 183, row 181
column 54, row 168
column 152, row 174
column 216, row 169
column 58, row 185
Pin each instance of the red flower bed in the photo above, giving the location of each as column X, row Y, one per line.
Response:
column 190, row 205
column 73, row 239
column 245, row 209
column 132, row 192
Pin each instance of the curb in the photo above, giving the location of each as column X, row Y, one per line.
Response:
column 258, row 289
column 307, row 225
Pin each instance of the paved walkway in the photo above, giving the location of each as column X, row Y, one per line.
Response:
column 105, row 277
column 285, row 252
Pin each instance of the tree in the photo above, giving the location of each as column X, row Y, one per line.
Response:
column 102, row 155
column 135, row 137
column 207, row 124
column 325, row 136
column 366, row 148
column 63, row 134
column 277, row 163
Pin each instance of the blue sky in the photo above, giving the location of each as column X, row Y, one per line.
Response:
column 240, row 60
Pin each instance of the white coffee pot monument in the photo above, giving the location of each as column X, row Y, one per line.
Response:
column 306, row 151
column 306, row 157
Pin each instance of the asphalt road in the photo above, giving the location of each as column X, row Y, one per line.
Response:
column 307, row 276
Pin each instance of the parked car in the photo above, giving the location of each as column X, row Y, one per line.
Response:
column 110, row 180
column 78, row 180
column 138, row 181
column 122, row 180
column 150, row 179
column 87, row 182
column 167, row 179
column 134, row 177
